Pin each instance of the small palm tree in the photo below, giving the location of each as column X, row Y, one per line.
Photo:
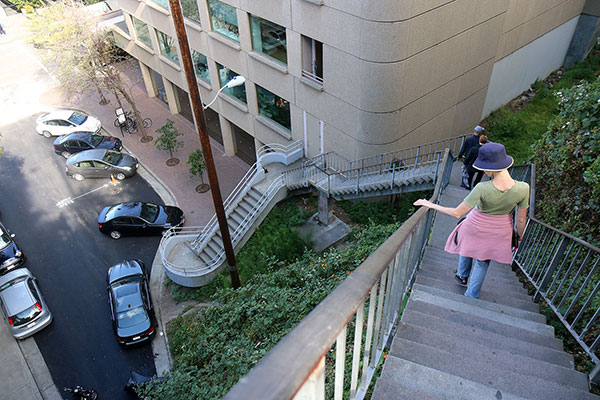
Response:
column 197, row 167
column 168, row 141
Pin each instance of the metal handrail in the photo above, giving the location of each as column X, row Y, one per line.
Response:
column 565, row 272
column 295, row 367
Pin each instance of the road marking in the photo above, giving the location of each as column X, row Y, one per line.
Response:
column 65, row 202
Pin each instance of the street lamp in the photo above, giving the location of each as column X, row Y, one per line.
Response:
column 236, row 81
column 190, row 76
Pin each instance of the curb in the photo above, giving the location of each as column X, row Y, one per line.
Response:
column 38, row 369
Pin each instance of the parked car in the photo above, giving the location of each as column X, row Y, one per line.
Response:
column 79, row 141
column 23, row 304
column 101, row 163
column 137, row 218
column 130, row 305
column 63, row 122
column 11, row 256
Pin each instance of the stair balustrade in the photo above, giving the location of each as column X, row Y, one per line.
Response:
column 295, row 367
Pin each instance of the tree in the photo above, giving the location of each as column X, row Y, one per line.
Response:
column 168, row 140
column 82, row 54
column 567, row 162
column 197, row 167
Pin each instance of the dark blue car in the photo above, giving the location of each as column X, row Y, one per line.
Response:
column 11, row 256
column 131, row 309
column 80, row 141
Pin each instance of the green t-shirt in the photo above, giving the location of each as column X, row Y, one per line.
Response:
column 488, row 199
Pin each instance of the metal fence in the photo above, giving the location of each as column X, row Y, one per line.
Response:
column 565, row 272
column 335, row 350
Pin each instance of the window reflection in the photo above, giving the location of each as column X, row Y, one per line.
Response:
column 141, row 31
column 268, row 38
column 167, row 46
column 200, row 66
column 225, row 75
column 273, row 107
column 223, row 18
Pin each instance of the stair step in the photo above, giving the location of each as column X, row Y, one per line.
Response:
column 439, row 383
column 476, row 310
column 490, row 281
column 254, row 194
column 510, row 328
column 209, row 251
column 460, row 346
column 451, row 264
column 490, row 294
column 245, row 207
column 469, row 303
column 386, row 389
column 503, row 379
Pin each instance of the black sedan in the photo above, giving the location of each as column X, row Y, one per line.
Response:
column 11, row 256
column 137, row 218
column 80, row 141
column 130, row 305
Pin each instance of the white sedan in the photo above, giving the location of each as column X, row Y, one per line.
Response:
column 63, row 122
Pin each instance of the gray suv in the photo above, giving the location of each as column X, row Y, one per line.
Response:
column 22, row 303
column 101, row 163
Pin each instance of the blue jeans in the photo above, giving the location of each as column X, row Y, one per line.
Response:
column 477, row 275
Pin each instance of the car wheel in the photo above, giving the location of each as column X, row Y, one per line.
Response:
column 115, row 235
column 46, row 134
column 78, row 177
column 120, row 176
column 65, row 154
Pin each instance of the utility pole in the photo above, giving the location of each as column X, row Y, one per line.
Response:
column 204, row 141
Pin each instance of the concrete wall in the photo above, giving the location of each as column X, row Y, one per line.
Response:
column 395, row 73
column 516, row 72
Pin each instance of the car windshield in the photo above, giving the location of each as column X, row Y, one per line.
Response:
column 77, row 118
column 131, row 317
column 4, row 238
column 112, row 157
column 13, row 282
column 149, row 212
column 27, row 315
column 95, row 140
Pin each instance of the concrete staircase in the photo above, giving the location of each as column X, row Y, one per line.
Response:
column 448, row 346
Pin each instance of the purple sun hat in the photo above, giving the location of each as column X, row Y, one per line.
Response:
column 492, row 157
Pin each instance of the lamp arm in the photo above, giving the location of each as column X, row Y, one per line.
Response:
column 216, row 97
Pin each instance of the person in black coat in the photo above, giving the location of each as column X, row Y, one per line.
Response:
column 470, row 158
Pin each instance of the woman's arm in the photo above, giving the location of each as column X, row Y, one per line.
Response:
column 521, row 221
column 456, row 212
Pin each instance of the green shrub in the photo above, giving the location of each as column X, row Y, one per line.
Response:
column 383, row 212
column 215, row 346
column 568, row 164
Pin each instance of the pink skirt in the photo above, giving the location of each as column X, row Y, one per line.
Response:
column 483, row 236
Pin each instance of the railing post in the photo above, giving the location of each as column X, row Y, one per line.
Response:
column 314, row 387
column 417, row 156
column 551, row 268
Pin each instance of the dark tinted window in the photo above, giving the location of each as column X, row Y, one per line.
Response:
column 27, row 315
column 112, row 157
column 95, row 140
column 149, row 212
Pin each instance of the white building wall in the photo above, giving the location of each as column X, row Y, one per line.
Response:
column 516, row 72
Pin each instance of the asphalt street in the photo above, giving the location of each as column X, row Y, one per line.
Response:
column 70, row 258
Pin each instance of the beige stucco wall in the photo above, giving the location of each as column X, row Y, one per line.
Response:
column 396, row 73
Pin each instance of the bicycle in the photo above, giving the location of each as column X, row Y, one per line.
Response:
column 130, row 124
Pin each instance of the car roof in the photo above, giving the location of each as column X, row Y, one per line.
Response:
column 17, row 297
column 129, row 209
column 75, row 136
column 94, row 154
column 128, row 296
column 61, row 114
column 124, row 269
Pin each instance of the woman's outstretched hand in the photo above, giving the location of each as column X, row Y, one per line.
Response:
column 422, row 202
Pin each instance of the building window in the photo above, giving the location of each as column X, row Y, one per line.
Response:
column 312, row 59
column 223, row 18
column 200, row 66
column 167, row 46
column 162, row 3
column 268, row 38
column 225, row 75
column 274, row 107
column 141, row 31
column 189, row 8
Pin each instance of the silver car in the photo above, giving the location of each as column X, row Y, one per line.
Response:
column 23, row 304
column 101, row 163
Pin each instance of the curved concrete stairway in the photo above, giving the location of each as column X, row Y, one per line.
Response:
column 448, row 346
